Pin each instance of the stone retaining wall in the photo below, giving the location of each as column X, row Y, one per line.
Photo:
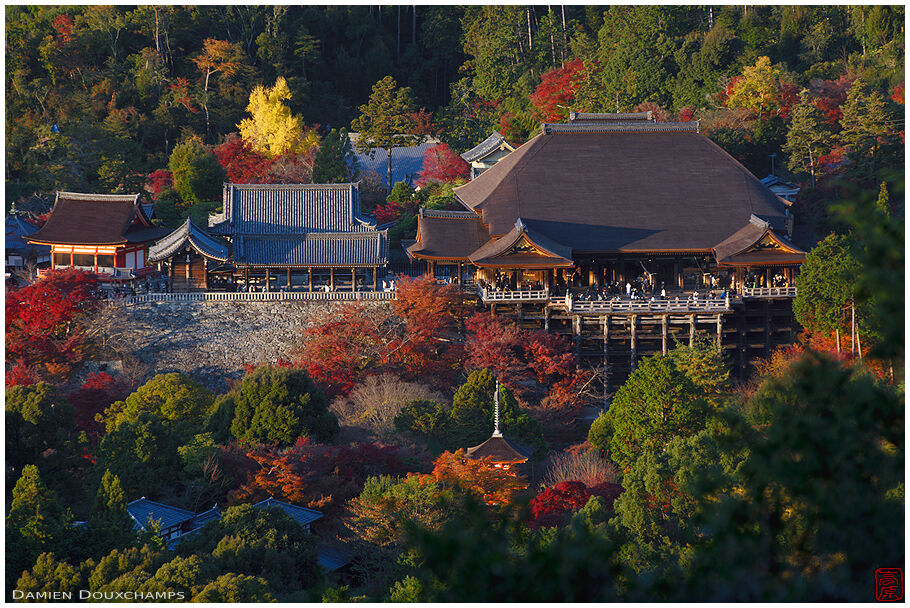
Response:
column 210, row 341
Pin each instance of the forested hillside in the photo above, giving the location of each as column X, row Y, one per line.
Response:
column 99, row 97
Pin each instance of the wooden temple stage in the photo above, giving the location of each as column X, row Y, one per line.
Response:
column 618, row 334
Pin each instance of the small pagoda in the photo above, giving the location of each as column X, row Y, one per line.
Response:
column 499, row 451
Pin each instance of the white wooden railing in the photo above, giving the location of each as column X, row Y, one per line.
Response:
column 272, row 296
column 521, row 295
column 768, row 292
column 645, row 306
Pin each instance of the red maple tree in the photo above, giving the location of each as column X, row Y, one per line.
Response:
column 553, row 506
column 483, row 478
column 242, row 164
column 159, row 180
column 556, row 92
column 517, row 356
column 98, row 391
column 441, row 164
column 43, row 319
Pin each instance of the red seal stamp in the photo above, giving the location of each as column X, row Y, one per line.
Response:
column 889, row 584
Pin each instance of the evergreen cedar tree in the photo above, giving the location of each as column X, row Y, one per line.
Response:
column 142, row 454
column 826, row 286
column 274, row 405
column 335, row 163
column 36, row 522
column 43, row 321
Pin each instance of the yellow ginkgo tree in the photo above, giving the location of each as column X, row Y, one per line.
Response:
column 272, row 129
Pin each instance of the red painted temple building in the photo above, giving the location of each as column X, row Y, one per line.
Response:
column 108, row 234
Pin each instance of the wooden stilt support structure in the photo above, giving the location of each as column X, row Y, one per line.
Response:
column 663, row 334
column 353, row 279
column 310, row 276
column 691, row 330
column 720, row 332
column 633, row 344
column 331, row 279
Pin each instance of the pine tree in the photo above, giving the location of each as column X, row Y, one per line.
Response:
column 866, row 128
column 808, row 136
column 385, row 121
column 110, row 526
column 335, row 162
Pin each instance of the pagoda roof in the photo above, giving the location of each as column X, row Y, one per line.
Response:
column 188, row 234
column 447, row 235
column 492, row 143
column 96, row 219
column 498, row 449
column 619, row 186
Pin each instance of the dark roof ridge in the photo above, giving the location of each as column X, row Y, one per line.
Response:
column 605, row 116
column 748, row 174
column 446, row 213
column 691, row 126
column 108, row 198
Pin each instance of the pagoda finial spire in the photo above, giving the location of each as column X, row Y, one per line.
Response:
column 496, row 431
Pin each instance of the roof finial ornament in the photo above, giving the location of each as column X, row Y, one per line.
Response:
column 496, row 431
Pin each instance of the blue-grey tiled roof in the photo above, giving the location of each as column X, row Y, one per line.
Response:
column 143, row 511
column 16, row 228
column 331, row 559
column 301, row 515
column 315, row 249
column 292, row 208
column 407, row 162
column 485, row 147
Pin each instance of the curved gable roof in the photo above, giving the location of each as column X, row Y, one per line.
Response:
column 91, row 219
column 646, row 187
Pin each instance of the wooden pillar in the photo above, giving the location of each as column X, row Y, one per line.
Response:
column 633, row 343
column 768, row 328
column 691, row 330
column 741, row 341
column 678, row 271
column 332, row 278
column 289, row 278
column 621, row 262
column 521, row 315
column 310, row 277
column 268, row 279
column 546, row 318
column 353, row 279
column 576, row 327
column 720, row 332
column 375, row 273
column 606, row 361
column 663, row 328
